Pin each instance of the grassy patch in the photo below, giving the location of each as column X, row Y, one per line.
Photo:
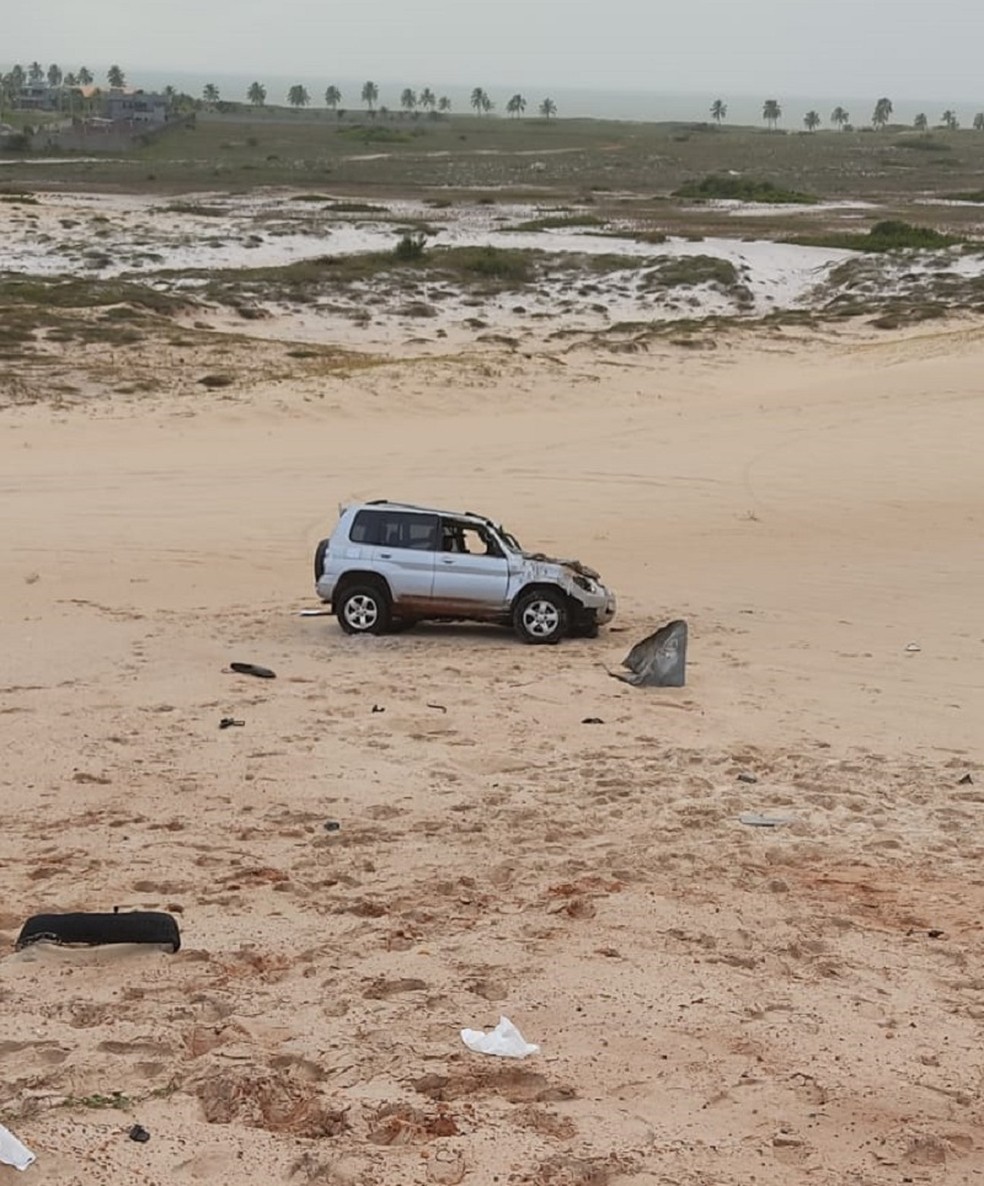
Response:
column 559, row 222
column 377, row 135
column 889, row 235
column 691, row 270
column 195, row 208
column 742, row 189
column 116, row 1100
column 922, row 144
column 974, row 195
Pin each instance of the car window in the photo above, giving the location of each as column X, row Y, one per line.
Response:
column 468, row 538
column 395, row 529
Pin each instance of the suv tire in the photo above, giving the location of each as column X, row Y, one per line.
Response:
column 540, row 616
column 363, row 609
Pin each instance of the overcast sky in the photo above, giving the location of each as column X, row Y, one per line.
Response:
column 897, row 48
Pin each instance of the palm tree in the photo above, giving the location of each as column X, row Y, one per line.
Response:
column 333, row 96
column 771, row 113
column 408, row 100
column 516, row 105
column 256, row 94
column 979, row 122
column 55, row 75
column 920, row 123
column 478, row 100
column 812, row 121
column 719, row 111
column 444, row 103
column 116, row 78
column 882, row 113
column 84, row 76
column 17, row 78
column 840, row 117
column 35, row 73
column 297, row 96
column 70, row 80
column 548, row 108
column 370, row 93
column 950, row 120
column 428, row 100
column 210, row 93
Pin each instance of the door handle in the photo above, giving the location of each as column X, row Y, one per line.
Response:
column 385, row 555
column 447, row 560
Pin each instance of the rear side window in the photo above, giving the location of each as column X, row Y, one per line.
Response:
column 395, row 529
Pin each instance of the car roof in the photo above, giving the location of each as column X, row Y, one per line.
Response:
column 409, row 506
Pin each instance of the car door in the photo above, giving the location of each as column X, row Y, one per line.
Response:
column 471, row 576
column 404, row 553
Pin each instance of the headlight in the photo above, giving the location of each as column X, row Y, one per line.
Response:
column 583, row 583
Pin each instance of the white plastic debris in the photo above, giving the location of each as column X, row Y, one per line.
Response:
column 505, row 1041
column 12, row 1152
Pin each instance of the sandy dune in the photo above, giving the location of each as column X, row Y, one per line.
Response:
column 715, row 1003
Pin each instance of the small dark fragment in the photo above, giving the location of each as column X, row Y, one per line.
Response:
column 745, row 776
column 438, row 707
column 378, row 708
column 139, row 1133
column 228, row 722
column 253, row 669
column 966, row 781
column 935, row 934
column 332, row 825
column 592, row 721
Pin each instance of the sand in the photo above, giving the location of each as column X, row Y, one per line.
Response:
column 715, row 1003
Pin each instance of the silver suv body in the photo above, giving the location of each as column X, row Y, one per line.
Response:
column 390, row 564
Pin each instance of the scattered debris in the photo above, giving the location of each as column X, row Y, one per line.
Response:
column 229, row 722
column 505, row 1041
column 592, row 721
column 332, row 825
column 660, row 660
column 378, row 708
column 12, row 1152
column 438, row 707
column 746, row 776
column 754, row 820
column 92, row 930
column 935, row 934
column 253, row 669
column 314, row 613
column 966, row 781
column 913, row 648
column 139, row 1133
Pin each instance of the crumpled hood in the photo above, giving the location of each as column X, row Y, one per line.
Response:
column 574, row 565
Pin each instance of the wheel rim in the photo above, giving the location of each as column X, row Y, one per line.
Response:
column 541, row 618
column 361, row 612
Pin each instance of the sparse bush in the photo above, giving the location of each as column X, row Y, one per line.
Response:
column 410, row 247
column 742, row 189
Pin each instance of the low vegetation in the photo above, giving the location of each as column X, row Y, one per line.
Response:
column 742, row 189
column 559, row 222
column 888, row 235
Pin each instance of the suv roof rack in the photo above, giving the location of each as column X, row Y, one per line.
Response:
column 410, row 506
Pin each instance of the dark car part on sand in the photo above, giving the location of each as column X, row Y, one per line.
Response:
column 253, row 669
column 92, row 930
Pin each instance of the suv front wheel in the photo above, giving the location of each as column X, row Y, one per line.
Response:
column 540, row 616
column 363, row 609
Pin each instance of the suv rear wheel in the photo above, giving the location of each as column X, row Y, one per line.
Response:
column 363, row 609
column 540, row 616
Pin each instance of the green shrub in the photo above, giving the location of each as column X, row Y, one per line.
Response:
column 742, row 189
column 410, row 247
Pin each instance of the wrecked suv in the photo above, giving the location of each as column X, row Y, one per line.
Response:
column 388, row 565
